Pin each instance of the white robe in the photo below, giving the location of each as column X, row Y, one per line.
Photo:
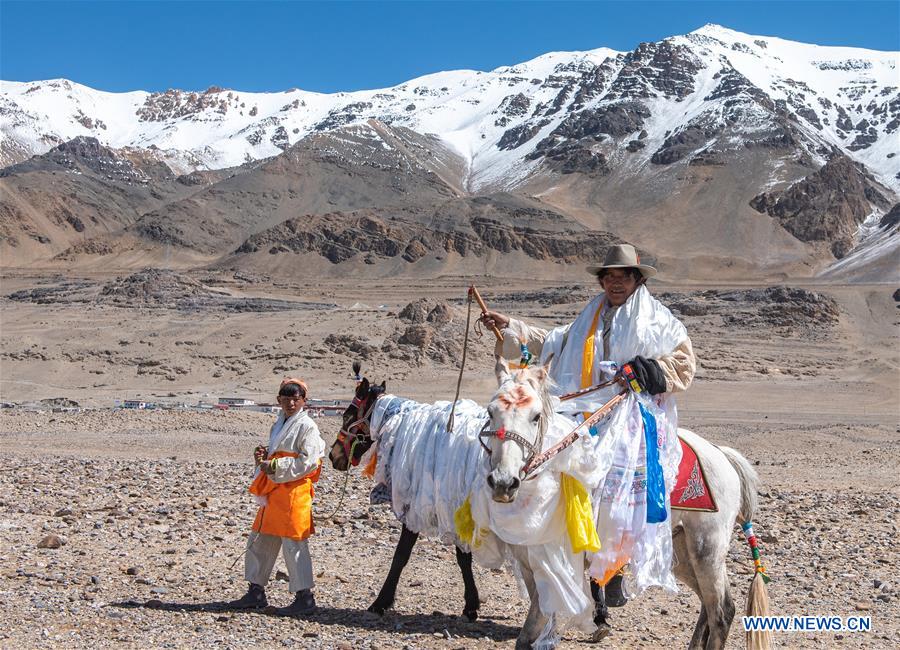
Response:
column 299, row 435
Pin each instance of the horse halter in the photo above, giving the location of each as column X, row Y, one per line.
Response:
column 504, row 434
column 353, row 434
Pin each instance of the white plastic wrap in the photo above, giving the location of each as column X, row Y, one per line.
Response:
column 431, row 472
column 428, row 471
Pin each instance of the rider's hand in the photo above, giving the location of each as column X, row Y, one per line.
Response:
column 267, row 466
column 259, row 454
column 649, row 375
column 492, row 319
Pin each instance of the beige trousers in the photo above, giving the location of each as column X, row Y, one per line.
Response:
column 262, row 551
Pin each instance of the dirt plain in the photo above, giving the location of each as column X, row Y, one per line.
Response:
column 804, row 379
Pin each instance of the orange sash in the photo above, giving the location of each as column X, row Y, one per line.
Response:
column 289, row 509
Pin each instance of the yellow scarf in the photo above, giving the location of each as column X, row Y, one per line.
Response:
column 588, row 349
column 587, row 357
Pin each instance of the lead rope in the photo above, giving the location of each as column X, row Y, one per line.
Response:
column 262, row 514
column 462, row 364
column 346, row 482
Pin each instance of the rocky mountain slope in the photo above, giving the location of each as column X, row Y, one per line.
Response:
column 701, row 148
column 70, row 200
column 681, row 93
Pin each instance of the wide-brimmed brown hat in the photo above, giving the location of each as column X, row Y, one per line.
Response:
column 623, row 256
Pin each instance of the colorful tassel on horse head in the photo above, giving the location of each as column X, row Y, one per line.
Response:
column 525, row 359
column 747, row 527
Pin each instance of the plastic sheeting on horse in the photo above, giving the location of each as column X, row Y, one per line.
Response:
column 429, row 473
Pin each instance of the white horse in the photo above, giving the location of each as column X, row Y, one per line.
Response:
column 700, row 539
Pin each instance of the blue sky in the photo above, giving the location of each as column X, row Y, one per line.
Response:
column 333, row 46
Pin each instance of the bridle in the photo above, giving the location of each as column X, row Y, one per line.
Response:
column 503, row 434
column 357, row 431
column 536, row 458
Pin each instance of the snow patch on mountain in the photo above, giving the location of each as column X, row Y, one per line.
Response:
column 711, row 88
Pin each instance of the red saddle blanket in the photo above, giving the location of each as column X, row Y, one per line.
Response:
column 691, row 490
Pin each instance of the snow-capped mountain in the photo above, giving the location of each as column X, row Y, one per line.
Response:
column 663, row 100
column 716, row 152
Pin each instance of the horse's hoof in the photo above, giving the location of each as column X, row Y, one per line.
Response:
column 378, row 608
column 471, row 614
column 602, row 631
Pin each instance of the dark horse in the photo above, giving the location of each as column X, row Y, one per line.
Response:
column 352, row 442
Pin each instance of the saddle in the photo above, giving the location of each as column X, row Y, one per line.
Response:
column 691, row 491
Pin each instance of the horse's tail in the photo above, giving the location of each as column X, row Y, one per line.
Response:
column 749, row 484
column 758, row 597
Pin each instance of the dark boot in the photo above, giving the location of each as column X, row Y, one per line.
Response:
column 600, row 614
column 615, row 597
column 255, row 598
column 304, row 603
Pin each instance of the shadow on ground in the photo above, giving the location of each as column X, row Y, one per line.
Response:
column 435, row 622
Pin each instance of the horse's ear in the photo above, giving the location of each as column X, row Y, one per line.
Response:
column 384, row 385
column 543, row 371
column 501, row 369
column 362, row 388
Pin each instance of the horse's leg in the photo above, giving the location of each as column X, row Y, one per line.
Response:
column 401, row 556
column 684, row 571
column 705, row 545
column 535, row 621
column 470, row 609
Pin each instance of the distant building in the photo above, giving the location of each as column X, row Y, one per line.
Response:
column 266, row 408
column 321, row 403
column 134, row 404
column 236, row 401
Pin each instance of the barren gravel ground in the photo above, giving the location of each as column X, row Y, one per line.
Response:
column 153, row 510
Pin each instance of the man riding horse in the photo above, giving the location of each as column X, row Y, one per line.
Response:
column 622, row 329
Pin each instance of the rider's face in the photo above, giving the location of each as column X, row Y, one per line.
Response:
column 618, row 284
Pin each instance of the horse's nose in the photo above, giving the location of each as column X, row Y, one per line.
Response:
column 504, row 487
column 338, row 461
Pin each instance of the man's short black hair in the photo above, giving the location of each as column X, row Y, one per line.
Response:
column 292, row 390
column 631, row 270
